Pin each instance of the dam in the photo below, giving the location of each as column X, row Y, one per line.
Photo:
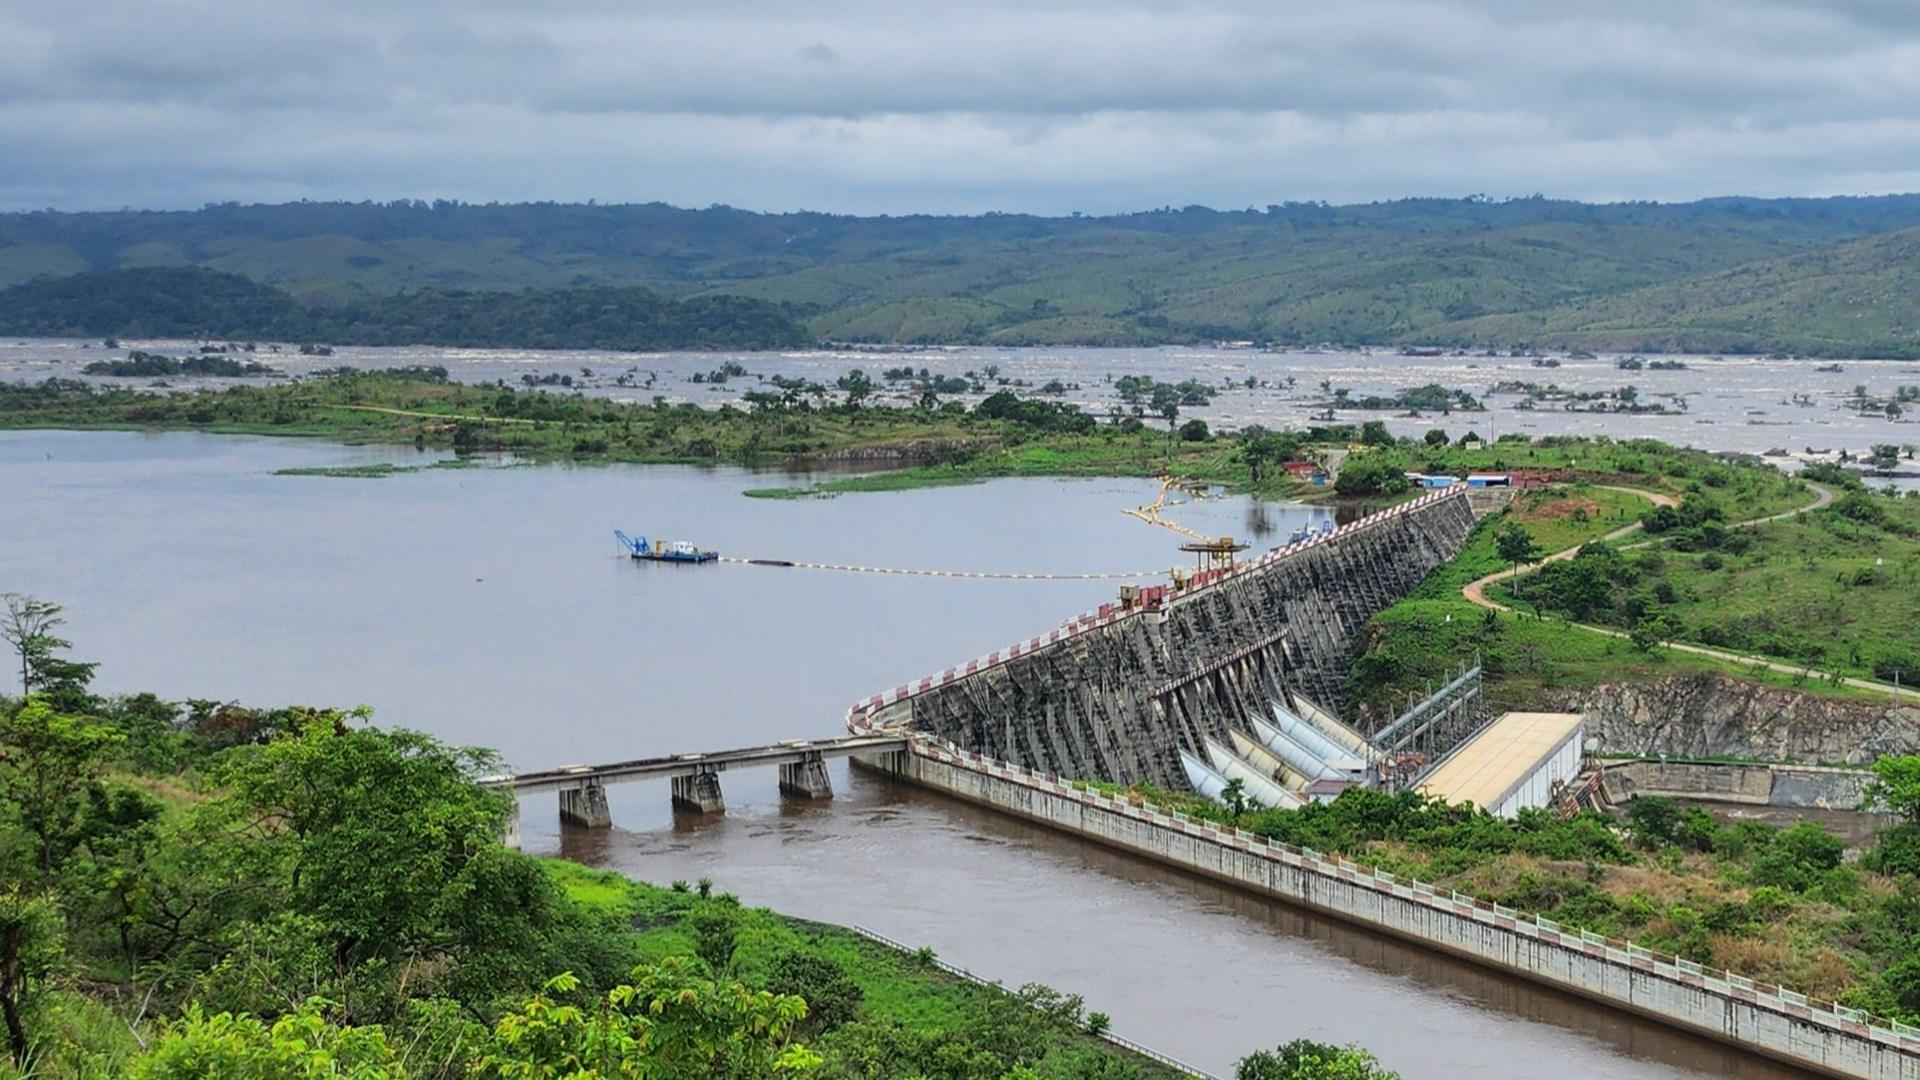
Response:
column 1140, row 691
column 1119, row 693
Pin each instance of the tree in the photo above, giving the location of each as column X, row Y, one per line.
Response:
column 1234, row 797
column 28, row 625
column 668, row 1022
column 1260, row 448
column 1373, row 473
column 1375, row 433
column 1895, row 787
column 1437, row 437
column 1303, row 1059
column 856, row 385
column 1516, row 545
column 30, row 950
column 1194, row 431
column 47, row 761
column 384, row 840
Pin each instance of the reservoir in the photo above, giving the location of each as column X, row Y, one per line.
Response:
column 491, row 606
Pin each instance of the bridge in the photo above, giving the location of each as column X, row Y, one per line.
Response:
column 696, row 776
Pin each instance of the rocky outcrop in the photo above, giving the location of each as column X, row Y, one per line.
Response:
column 1719, row 716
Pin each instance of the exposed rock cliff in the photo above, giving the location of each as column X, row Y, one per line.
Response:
column 1719, row 716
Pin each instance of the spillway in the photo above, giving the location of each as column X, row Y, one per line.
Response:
column 1117, row 694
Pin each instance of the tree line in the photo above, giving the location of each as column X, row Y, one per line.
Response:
column 194, row 302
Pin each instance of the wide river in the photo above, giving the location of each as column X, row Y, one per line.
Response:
column 1745, row 403
column 489, row 606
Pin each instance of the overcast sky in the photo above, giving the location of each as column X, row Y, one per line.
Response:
column 893, row 106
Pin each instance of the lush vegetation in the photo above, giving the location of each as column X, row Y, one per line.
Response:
column 1721, row 274
column 197, row 302
column 1782, row 905
column 1421, row 641
column 200, row 889
column 1006, row 435
column 147, row 365
column 1816, row 303
column 1833, row 589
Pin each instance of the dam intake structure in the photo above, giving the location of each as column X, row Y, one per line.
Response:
column 1121, row 693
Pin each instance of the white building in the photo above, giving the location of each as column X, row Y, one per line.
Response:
column 1512, row 764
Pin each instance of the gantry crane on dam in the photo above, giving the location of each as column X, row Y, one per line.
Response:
column 1209, row 551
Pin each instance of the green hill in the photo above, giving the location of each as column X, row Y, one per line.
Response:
column 1417, row 270
column 1850, row 299
column 195, row 302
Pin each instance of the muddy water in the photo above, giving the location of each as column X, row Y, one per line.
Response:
column 487, row 606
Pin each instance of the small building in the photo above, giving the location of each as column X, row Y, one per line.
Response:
column 1306, row 471
column 1471, row 441
column 1425, row 480
column 1512, row 764
column 1486, row 480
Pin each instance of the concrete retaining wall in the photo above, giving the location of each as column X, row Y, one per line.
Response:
column 1796, row 786
column 1758, row 1017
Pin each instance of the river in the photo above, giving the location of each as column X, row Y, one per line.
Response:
column 488, row 606
column 1737, row 403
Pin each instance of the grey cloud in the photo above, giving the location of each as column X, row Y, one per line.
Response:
column 869, row 106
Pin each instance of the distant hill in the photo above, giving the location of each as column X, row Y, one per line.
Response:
column 195, row 302
column 1860, row 298
column 1512, row 273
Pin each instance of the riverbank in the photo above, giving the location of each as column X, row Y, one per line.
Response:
column 195, row 888
column 865, row 994
column 1260, row 851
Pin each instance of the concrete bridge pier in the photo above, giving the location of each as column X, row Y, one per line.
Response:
column 510, row 830
column 806, row 778
column 700, row 792
column 586, row 805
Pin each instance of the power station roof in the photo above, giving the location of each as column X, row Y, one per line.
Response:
column 1489, row 766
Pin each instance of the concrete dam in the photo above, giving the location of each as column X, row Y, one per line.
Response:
column 1117, row 694
column 1214, row 667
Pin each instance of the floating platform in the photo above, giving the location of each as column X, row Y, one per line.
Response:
column 675, row 551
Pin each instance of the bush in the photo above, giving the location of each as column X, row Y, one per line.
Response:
column 1372, row 473
column 832, row 998
column 1303, row 1059
column 1799, row 857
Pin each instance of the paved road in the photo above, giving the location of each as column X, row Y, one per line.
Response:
column 1476, row 592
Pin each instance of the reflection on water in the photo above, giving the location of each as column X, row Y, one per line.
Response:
column 490, row 607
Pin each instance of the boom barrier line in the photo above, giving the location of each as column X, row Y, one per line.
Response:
column 915, row 572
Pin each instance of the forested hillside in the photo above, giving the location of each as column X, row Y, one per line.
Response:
column 1850, row 299
column 1805, row 275
column 196, row 302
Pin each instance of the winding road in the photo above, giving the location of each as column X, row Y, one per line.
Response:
column 1476, row 592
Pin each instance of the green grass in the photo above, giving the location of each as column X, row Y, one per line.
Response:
column 1422, row 640
column 896, row 480
column 895, row 986
column 355, row 472
column 1832, row 589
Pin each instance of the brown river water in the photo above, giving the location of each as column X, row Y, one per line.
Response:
column 488, row 606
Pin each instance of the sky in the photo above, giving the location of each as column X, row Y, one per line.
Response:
column 895, row 106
